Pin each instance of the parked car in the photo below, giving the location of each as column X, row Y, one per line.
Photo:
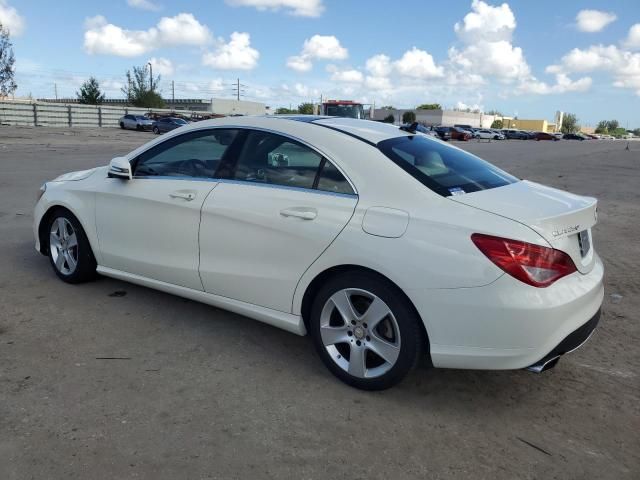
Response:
column 381, row 244
column 136, row 122
column 572, row 136
column 490, row 134
column 558, row 135
column 163, row 125
column 546, row 136
column 515, row 134
column 444, row 133
column 458, row 133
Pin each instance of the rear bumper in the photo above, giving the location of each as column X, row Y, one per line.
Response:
column 507, row 324
column 572, row 342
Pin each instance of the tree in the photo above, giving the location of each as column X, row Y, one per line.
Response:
column 429, row 106
column 285, row 111
column 7, row 71
column 388, row 107
column 408, row 117
column 389, row 119
column 305, row 108
column 497, row 124
column 603, row 127
column 636, row 132
column 140, row 90
column 570, row 123
column 89, row 93
column 495, row 113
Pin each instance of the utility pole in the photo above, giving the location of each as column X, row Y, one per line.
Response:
column 150, row 76
column 55, row 89
column 173, row 94
column 238, row 89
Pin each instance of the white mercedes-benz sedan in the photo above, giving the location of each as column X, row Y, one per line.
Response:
column 382, row 244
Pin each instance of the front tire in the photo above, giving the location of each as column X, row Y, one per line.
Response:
column 122, row 125
column 70, row 253
column 156, row 130
column 365, row 331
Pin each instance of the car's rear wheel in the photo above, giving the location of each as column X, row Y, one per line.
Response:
column 69, row 249
column 366, row 332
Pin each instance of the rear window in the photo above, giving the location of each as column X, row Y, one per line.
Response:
column 445, row 170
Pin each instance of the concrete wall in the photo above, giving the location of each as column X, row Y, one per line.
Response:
column 439, row 117
column 60, row 115
column 223, row 106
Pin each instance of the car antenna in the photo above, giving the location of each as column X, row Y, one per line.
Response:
column 410, row 128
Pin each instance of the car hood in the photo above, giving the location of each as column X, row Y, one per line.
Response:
column 556, row 215
column 75, row 176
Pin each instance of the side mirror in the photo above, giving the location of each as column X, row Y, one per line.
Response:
column 120, row 167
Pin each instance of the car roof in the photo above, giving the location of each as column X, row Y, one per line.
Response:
column 365, row 130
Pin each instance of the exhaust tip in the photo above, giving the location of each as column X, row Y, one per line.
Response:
column 544, row 364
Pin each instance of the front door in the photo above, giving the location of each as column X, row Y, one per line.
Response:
column 149, row 225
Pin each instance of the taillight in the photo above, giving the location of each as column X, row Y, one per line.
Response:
column 532, row 264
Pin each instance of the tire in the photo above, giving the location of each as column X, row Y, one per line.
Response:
column 138, row 127
column 68, row 244
column 122, row 125
column 397, row 335
column 156, row 130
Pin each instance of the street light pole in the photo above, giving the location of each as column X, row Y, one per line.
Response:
column 150, row 76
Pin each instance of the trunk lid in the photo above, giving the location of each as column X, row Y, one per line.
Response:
column 561, row 218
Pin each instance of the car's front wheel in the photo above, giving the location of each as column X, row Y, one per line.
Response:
column 69, row 249
column 122, row 125
column 365, row 330
column 156, row 130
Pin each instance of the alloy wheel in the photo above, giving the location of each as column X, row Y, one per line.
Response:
column 360, row 333
column 63, row 244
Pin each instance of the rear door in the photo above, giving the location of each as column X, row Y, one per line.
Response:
column 279, row 208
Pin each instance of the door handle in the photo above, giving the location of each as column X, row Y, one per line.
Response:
column 188, row 196
column 300, row 212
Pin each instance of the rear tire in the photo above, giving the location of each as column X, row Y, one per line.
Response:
column 69, row 250
column 365, row 331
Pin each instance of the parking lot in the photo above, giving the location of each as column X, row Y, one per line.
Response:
column 110, row 380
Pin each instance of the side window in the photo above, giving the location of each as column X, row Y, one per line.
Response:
column 277, row 160
column 331, row 180
column 195, row 154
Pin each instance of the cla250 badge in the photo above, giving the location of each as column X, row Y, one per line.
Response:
column 565, row 230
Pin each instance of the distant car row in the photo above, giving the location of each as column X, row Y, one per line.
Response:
column 465, row 133
column 161, row 125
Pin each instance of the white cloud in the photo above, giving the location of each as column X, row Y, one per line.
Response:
column 593, row 20
column 144, row 5
column 299, row 63
column 11, row 19
column 347, row 76
column 301, row 8
column 486, row 23
column 379, row 65
column 633, row 38
column 417, row 63
column 496, row 59
column 563, row 85
column 464, row 107
column 378, row 83
column 623, row 65
column 161, row 66
column 318, row 47
column 235, row 55
column 103, row 38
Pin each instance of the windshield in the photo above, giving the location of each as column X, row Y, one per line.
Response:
column 348, row 111
column 179, row 121
column 445, row 170
column 140, row 117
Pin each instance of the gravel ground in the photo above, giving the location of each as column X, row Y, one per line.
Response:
column 202, row 393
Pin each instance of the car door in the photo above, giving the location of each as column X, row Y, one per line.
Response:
column 280, row 207
column 148, row 225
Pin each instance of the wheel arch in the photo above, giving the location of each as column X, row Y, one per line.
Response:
column 44, row 221
column 321, row 278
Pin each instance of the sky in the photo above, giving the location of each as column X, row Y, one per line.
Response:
column 522, row 58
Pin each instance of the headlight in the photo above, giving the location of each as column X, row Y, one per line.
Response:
column 43, row 189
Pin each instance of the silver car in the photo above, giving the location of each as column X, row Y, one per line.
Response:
column 136, row 122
